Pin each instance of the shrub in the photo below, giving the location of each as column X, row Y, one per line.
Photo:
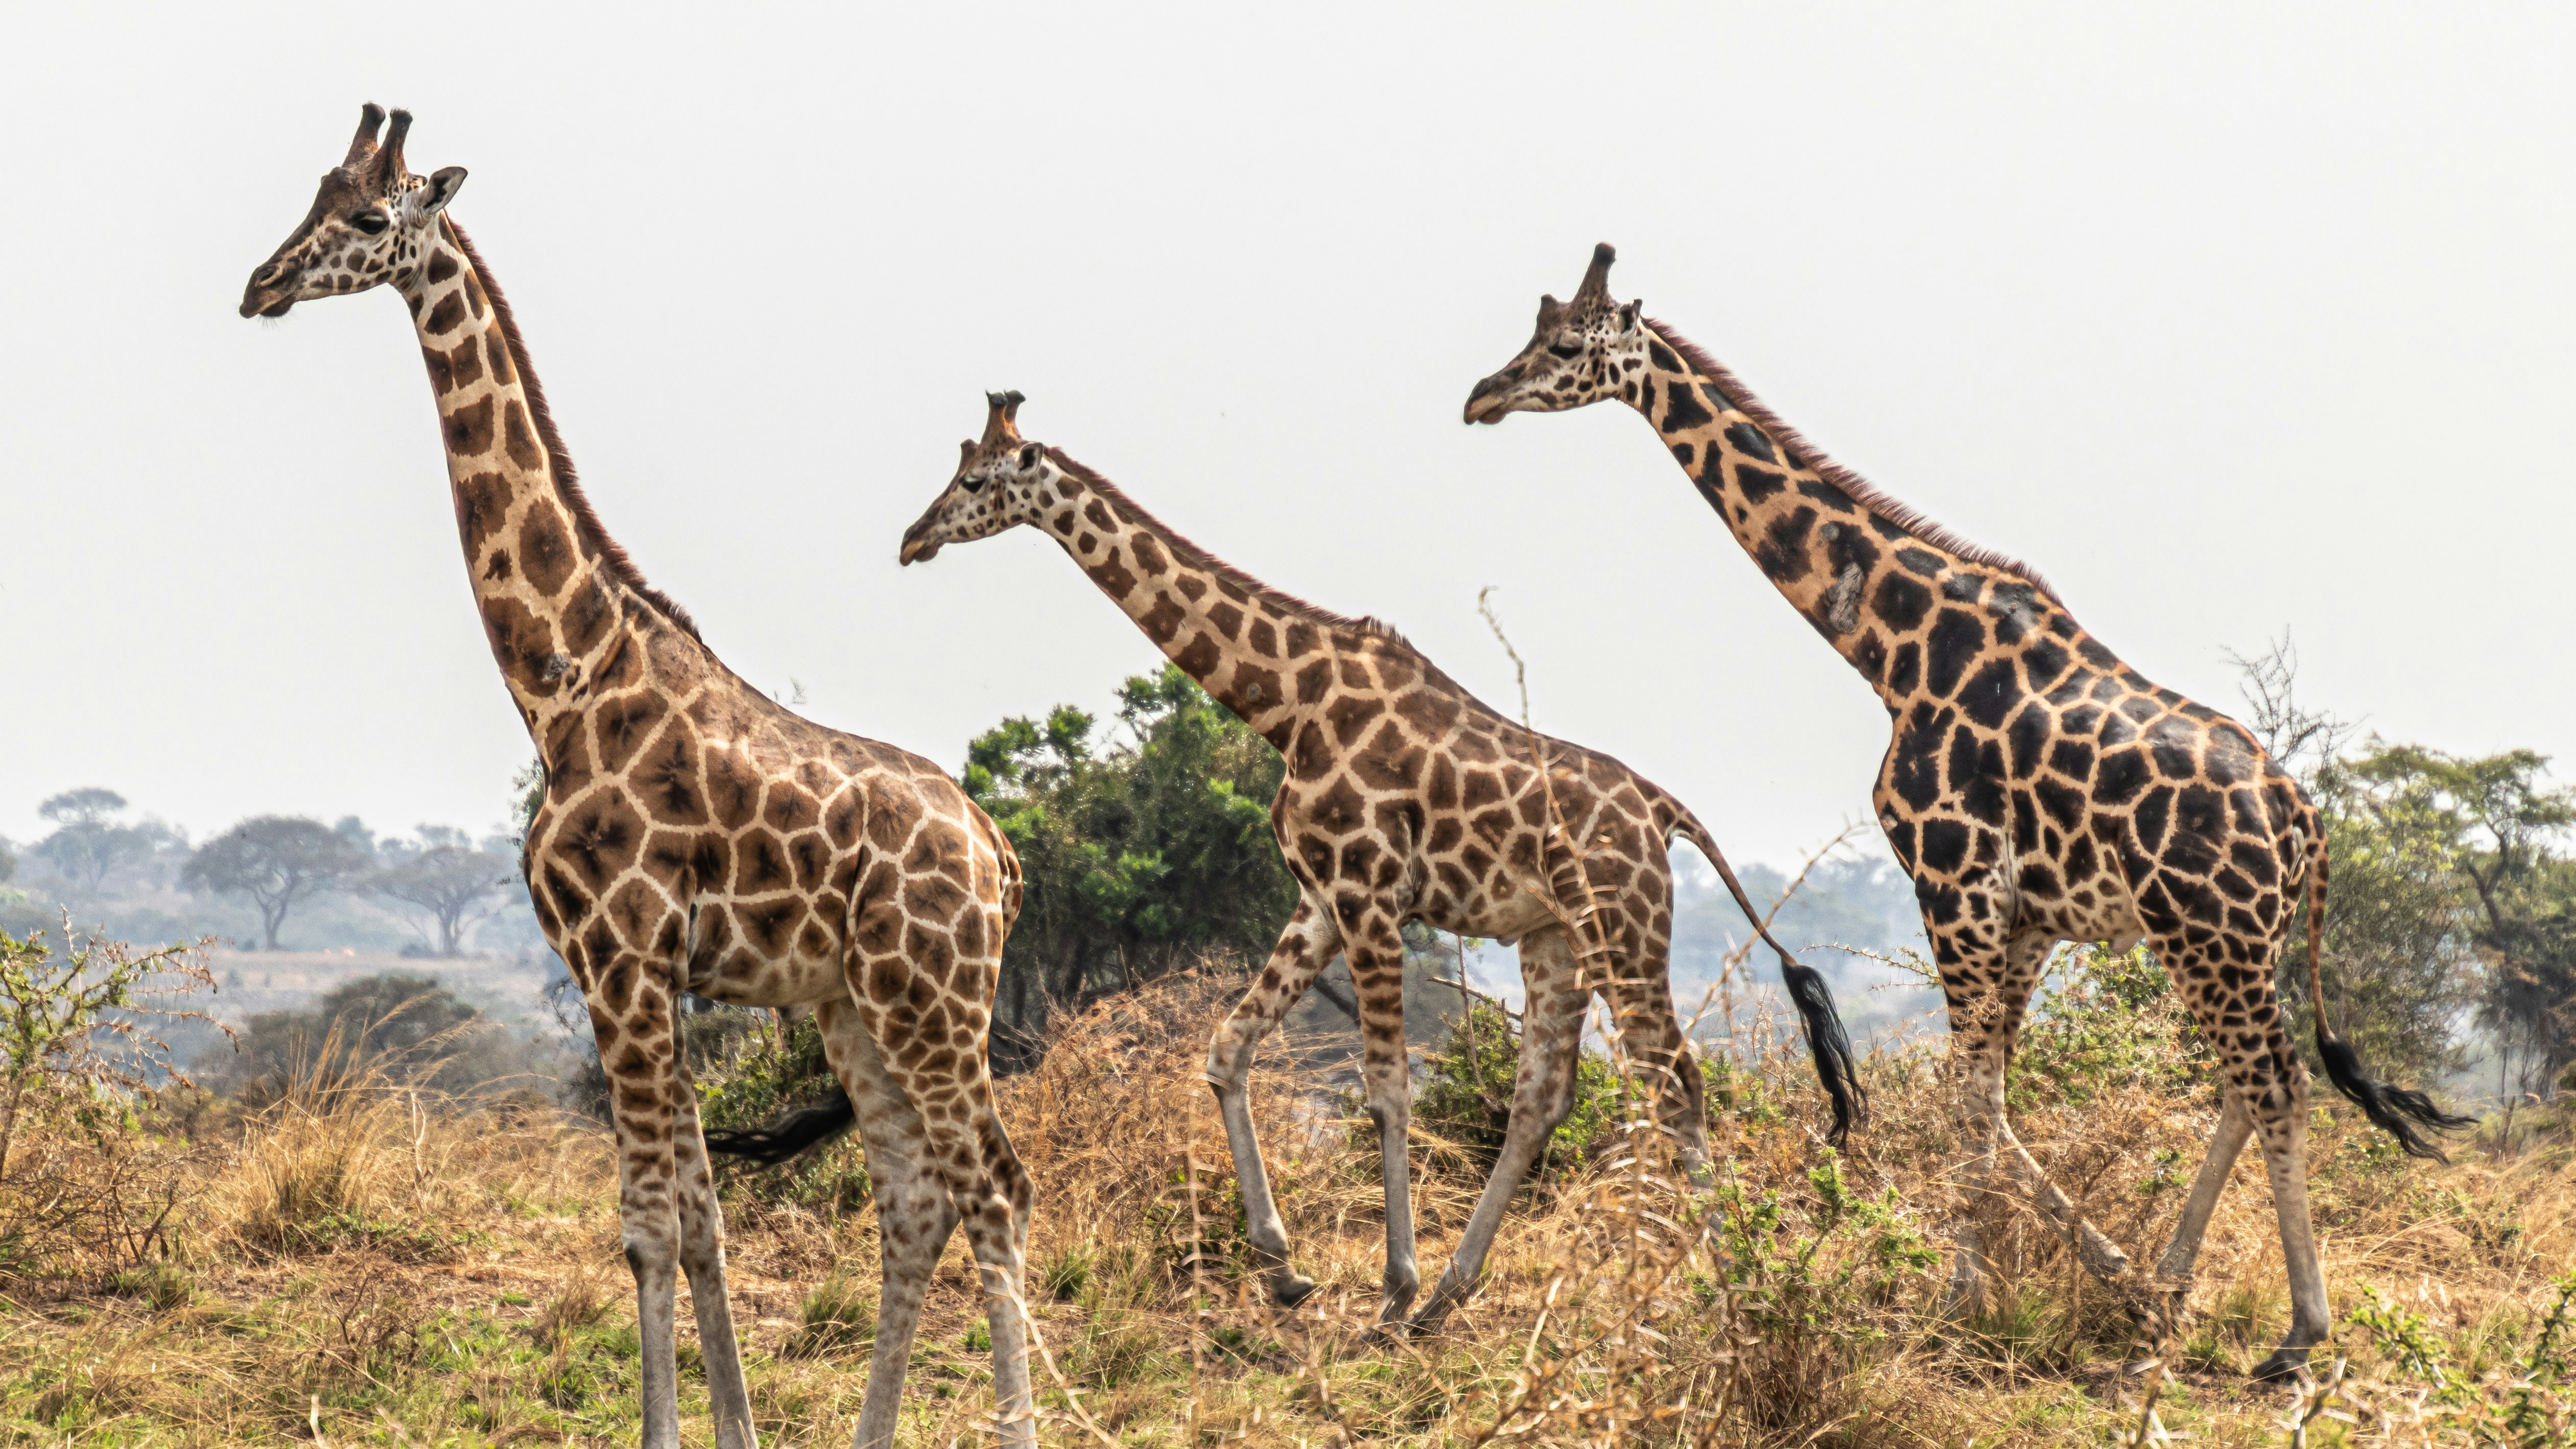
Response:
column 1465, row 1096
column 752, row 1087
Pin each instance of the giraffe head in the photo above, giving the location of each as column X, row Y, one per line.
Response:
column 1002, row 481
column 371, row 223
column 1582, row 352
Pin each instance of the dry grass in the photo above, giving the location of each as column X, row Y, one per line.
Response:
column 397, row 1270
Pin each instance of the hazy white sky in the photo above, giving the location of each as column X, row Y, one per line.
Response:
column 2229, row 318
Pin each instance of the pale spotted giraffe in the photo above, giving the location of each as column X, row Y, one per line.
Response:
column 2036, row 789
column 1405, row 798
column 696, row 836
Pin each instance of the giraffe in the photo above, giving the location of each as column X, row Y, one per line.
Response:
column 2035, row 787
column 1405, row 797
column 696, row 836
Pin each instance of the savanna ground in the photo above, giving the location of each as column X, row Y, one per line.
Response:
column 355, row 1263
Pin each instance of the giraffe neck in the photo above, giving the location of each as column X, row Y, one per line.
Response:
column 1232, row 634
column 1868, row 574
column 555, row 594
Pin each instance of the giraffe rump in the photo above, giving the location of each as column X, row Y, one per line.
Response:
column 594, row 535
column 1869, row 495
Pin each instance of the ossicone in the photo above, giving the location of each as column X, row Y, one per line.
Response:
column 1001, row 420
column 371, row 117
column 1596, row 278
column 389, row 156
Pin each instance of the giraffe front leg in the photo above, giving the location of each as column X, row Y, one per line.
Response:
column 702, row 1257
column 1554, row 1002
column 1305, row 948
column 639, row 1055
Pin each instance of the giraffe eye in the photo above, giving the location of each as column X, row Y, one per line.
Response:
column 372, row 223
column 1566, row 349
column 973, row 482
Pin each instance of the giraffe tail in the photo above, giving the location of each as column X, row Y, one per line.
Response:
column 1826, row 1039
column 804, row 1128
column 2397, row 1111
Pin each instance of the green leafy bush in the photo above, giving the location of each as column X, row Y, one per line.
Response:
column 2103, row 1021
column 1465, row 1096
column 771, row 1074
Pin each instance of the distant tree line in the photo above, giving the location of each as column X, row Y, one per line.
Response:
column 439, row 879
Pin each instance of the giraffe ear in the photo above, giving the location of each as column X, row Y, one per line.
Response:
column 443, row 185
column 1629, row 314
column 1029, row 455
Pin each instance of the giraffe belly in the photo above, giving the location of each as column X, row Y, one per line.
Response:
column 2098, row 910
column 1499, row 914
column 775, row 953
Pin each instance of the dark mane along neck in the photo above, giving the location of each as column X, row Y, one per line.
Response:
column 1867, row 494
column 594, row 538
column 1193, row 556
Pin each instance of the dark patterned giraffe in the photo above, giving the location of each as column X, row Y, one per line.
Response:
column 2036, row 789
column 695, row 836
column 1405, row 798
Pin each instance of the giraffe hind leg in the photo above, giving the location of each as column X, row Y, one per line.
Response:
column 1555, row 1001
column 2174, row 1265
column 2265, row 1075
column 915, row 1213
column 1376, row 954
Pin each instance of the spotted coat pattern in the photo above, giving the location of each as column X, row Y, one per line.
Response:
column 2036, row 788
column 696, row 836
column 1405, row 797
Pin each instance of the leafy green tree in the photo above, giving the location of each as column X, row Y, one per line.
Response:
column 2502, row 825
column 2399, row 964
column 1142, row 856
column 277, row 861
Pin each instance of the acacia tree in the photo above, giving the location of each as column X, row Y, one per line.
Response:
column 88, row 841
column 276, row 860
column 445, row 879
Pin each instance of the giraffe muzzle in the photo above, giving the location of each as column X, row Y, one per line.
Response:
column 268, row 294
column 1486, row 404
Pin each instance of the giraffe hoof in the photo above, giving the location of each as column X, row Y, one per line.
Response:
column 1290, row 1289
column 2283, row 1366
column 1386, row 1335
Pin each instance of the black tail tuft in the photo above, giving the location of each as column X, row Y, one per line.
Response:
column 1830, row 1043
column 2396, row 1110
column 801, row 1129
